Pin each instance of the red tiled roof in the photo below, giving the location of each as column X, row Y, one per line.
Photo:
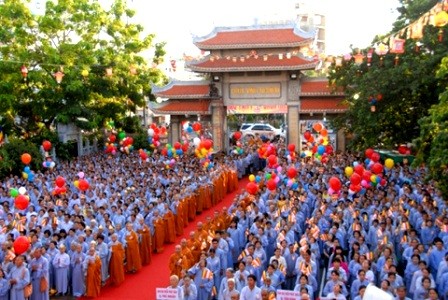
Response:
column 246, row 38
column 333, row 104
column 317, row 88
column 273, row 63
column 182, row 107
column 183, row 90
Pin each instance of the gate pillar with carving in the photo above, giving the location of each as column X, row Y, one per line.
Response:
column 218, row 123
column 175, row 135
column 293, row 134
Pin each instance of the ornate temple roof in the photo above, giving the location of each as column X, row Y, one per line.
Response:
column 183, row 90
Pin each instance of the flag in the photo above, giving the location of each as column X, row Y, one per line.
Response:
column 256, row 262
column 369, row 255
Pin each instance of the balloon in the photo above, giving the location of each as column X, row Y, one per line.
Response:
column 324, row 132
column 83, row 184
column 207, row 144
column 389, row 163
column 368, row 153
column 150, row 132
column 359, row 169
column 237, row 135
column 251, row 177
column 373, row 178
column 22, row 190
column 177, row 145
column 121, row 135
column 76, row 183
column 25, row 175
column 46, row 145
column 27, row 169
column 272, row 159
column 375, row 157
column 348, row 171
column 60, row 181
column 14, row 193
column 21, row 202
column 317, row 127
column 81, row 175
column 355, row 179
column 252, row 188
column 291, row 147
column 335, row 183
column 377, row 168
column 271, row 184
column 291, row 173
column 196, row 141
column 402, row 149
column 197, row 126
column 21, row 245
column 26, row 158
column 321, row 149
column 307, row 135
column 112, row 138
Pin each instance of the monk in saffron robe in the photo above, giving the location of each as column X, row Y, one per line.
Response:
column 170, row 226
column 116, row 263
column 159, row 232
column 186, row 252
column 145, row 242
column 133, row 260
column 178, row 216
column 185, row 203
column 192, row 203
column 177, row 262
column 195, row 246
column 93, row 277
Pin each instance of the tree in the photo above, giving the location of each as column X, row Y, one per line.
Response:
column 432, row 144
column 407, row 88
column 411, row 11
column 95, row 51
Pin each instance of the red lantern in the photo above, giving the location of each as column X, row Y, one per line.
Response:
column 26, row 158
column 21, row 245
column 252, row 188
column 46, row 145
column 21, row 202
column 60, row 181
column 83, row 185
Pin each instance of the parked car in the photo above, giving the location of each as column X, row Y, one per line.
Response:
column 266, row 131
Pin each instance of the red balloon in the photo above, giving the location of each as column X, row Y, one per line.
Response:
column 369, row 153
column 307, row 135
column 26, row 158
column 21, row 245
column 196, row 126
column 143, row 155
column 383, row 182
column 21, row 202
column 177, row 145
column 318, row 127
column 60, row 181
column 112, row 138
column 237, row 135
column 355, row 179
column 207, row 144
column 402, row 149
column 292, row 172
column 355, row 188
column 164, row 152
column 335, row 183
column 271, row 184
column 185, row 147
column 329, row 149
column 155, row 137
column 83, row 185
column 359, row 169
column 377, row 168
column 130, row 141
column 272, row 159
column 46, row 145
column 292, row 147
column 252, row 188
column 375, row 157
column 366, row 175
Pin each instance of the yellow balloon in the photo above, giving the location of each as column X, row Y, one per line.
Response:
column 389, row 163
column 373, row 178
column 25, row 175
column 348, row 171
column 76, row 183
column 251, row 177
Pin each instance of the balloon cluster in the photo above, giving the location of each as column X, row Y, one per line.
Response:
column 125, row 142
column 238, row 148
column 334, row 186
column 190, row 128
column 267, row 149
column 27, row 173
column 111, row 147
column 60, row 188
column 291, row 153
column 204, row 147
column 21, row 200
column 154, row 134
column 81, row 183
column 144, row 154
column 48, row 163
column 252, row 185
column 319, row 145
column 175, row 150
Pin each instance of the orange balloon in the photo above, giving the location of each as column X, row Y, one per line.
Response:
column 324, row 132
column 317, row 127
column 26, row 158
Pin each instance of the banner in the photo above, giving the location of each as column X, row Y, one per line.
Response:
column 166, row 294
column 257, row 109
column 287, row 295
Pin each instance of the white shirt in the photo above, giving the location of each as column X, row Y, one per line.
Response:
column 248, row 294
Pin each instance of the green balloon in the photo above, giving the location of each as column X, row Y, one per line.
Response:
column 14, row 193
column 122, row 135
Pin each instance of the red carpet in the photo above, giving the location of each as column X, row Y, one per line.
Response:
column 143, row 284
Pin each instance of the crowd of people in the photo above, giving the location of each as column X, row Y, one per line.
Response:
column 301, row 238
column 292, row 237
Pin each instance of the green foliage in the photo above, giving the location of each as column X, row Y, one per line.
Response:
column 11, row 153
column 408, row 89
column 141, row 141
column 411, row 11
column 82, row 39
column 432, row 144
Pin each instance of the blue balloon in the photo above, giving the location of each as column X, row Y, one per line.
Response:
column 170, row 153
column 294, row 186
column 355, row 163
column 321, row 149
column 189, row 129
column 257, row 178
column 179, row 152
column 27, row 169
column 367, row 161
column 31, row 177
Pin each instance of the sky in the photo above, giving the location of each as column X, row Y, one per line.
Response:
column 349, row 22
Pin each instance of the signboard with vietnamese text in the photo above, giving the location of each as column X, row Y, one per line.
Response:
column 166, row 294
column 257, row 109
column 287, row 295
column 255, row 90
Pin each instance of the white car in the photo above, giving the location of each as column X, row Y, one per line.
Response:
column 264, row 130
